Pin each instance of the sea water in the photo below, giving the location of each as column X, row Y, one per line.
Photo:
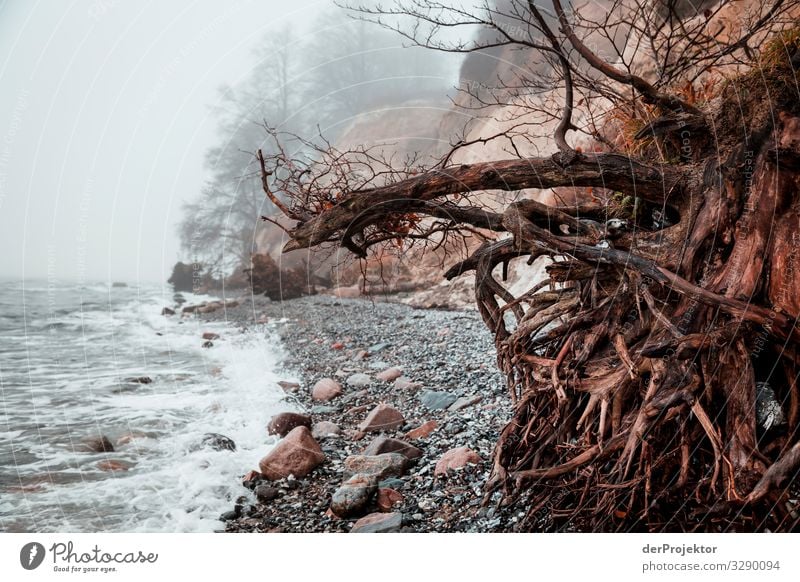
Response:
column 65, row 355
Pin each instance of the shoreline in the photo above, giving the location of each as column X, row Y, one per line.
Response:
column 443, row 355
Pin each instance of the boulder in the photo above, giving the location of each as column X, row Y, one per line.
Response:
column 389, row 374
column 388, row 498
column 326, row 389
column 456, row 459
column 382, row 417
column 218, row 442
column 282, row 423
column 383, row 444
column 99, row 444
column 325, row 429
column 298, row 454
column 210, row 335
column 354, row 495
column 337, row 346
column 379, row 523
column 433, row 400
column 423, row 431
column 167, row 311
column 378, row 466
column 359, row 380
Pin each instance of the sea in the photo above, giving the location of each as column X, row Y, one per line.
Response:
column 69, row 355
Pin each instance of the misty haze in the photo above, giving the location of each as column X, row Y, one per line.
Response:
column 412, row 266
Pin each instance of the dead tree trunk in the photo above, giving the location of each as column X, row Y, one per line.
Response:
column 654, row 373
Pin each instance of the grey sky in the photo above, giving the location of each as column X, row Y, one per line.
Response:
column 105, row 114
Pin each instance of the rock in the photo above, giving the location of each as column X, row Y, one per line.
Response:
column 376, row 348
column 389, row 375
column 229, row 515
column 359, row 380
column 320, row 409
column 337, row 346
column 325, row 429
column 388, row 498
column 454, row 427
column 464, row 402
column 354, row 495
column 354, row 396
column 139, row 380
column 118, row 284
column 99, row 444
column 382, row 417
column 218, row 442
column 360, row 355
column 403, row 383
column 113, row 465
column 289, row 387
column 208, row 344
column 252, row 479
column 423, row 431
column 266, row 492
column 384, row 444
column 391, row 483
column 298, row 454
column 167, row 311
column 326, row 389
column 127, row 439
column 356, row 409
column 379, row 523
column 769, row 413
column 456, row 459
column 378, row 466
column 282, row 423
column 190, row 308
column 210, row 335
column 433, row 400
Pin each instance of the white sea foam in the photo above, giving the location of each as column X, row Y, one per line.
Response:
column 173, row 485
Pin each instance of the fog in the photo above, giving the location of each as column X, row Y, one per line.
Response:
column 105, row 116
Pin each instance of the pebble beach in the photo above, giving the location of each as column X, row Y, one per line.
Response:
column 394, row 410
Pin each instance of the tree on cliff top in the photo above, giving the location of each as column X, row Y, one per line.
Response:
column 641, row 368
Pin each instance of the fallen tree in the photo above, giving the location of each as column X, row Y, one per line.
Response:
column 654, row 372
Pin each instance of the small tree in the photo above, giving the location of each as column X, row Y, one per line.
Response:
column 671, row 303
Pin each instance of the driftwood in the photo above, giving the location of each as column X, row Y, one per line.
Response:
column 637, row 368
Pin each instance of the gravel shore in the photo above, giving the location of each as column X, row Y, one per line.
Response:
column 443, row 355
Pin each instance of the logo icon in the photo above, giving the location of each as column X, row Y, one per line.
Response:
column 31, row 555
